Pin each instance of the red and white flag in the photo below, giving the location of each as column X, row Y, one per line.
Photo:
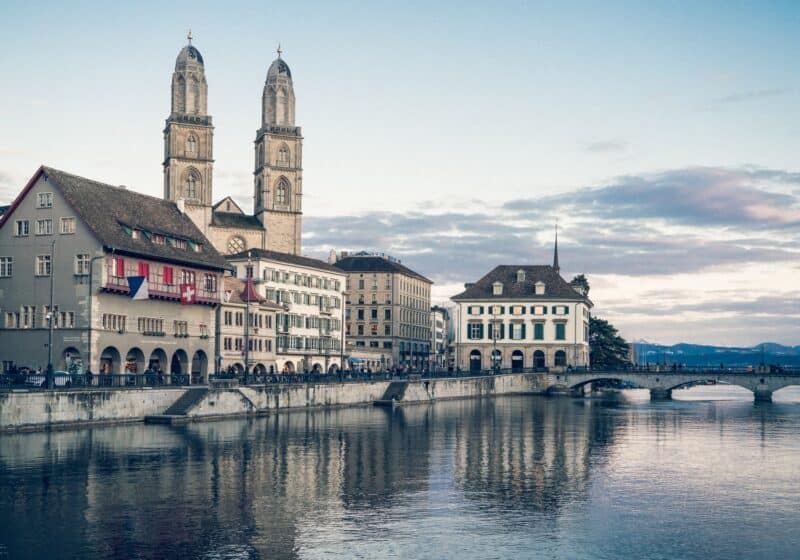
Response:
column 188, row 294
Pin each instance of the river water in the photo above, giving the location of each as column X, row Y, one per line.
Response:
column 512, row 477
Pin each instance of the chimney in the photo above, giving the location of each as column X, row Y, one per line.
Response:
column 181, row 203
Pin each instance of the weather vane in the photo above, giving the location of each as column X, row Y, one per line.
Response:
column 280, row 51
column 189, row 36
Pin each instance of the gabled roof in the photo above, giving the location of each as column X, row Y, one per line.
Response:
column 230, row 220
column 555, row 286
column 373, row 263
column 106, row 208
column 228, row 199
column 285, row 258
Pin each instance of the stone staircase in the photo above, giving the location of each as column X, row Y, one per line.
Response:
column 179, row 410
column 393, row 395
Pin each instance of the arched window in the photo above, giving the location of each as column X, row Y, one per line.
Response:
column 191, row 186
column 561, row 358
column 259, row 199
column 194, row 106
column 191, row 145
column 283, row 155
column 180, row 95
column 282, row 192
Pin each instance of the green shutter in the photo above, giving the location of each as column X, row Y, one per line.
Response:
column 481, row 310
column 523, row 331
column 566, row 310
column 490, row 332
column 502, row 310
column 544, row 308
column 554, row 310
column 502, row 331
column 480, row 331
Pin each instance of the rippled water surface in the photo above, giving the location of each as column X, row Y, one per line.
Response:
column 514, row 477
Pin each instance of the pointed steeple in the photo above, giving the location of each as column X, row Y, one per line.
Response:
column 555, row 254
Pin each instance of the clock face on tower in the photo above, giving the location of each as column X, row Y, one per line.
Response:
column 236, row 245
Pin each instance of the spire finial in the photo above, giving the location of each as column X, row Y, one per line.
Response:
column 555, row 253
column 280, row 51
column 189, row 36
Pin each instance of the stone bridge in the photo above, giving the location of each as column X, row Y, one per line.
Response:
column 662, row 383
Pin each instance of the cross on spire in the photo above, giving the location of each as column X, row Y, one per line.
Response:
column 189, row 37
column 280, row 51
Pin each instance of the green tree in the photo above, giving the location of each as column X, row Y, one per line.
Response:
column 607, row 350
column 580, row 281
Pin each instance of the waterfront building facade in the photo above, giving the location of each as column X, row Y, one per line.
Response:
column 309, row 334
column 240, row 344
column 85, row 238
column 522, row 316
column 440, row 319
column 388, row 308
column 276, row 223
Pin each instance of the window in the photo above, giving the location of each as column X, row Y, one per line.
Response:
column 67, row 225
column 187, row 277
column 373, row 329
column 181, row 328
column 6, row 266
column 191, row 186
column 191, row 145
column 539, row 310
column 44, row 227
column 360, row 314
column 475, row 331
column 374, row 313
column 283, row 155
column 538, row 331
column 43, row 265
column 159, row 239
column 387, row 314
column 520, row 275
column 82, row 264
column 22, row 228
column 361, row 330
column 168, row 279
column 387, row 330
column 361, row 284
column 517, row 331
column 560, row 310
column 29, row 316
column 561, row 331
column 236, row 245
column 144, row 269
column 44, row 200
column 113, row 322
column 282, row 192
column 497, row 288
column 210, row 283
column 475, row 310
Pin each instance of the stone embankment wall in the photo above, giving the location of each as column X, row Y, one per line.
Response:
column 50, row 409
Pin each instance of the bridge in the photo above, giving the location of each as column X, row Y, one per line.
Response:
column 761, row 381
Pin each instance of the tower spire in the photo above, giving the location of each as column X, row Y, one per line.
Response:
column 555, row 253
column 189, row 37
column 280, row 50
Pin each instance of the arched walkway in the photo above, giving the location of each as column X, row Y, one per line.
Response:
column 288, row 367
column 539, row 361
column 333, row 369
column 560, row 359
column 134, row 361
column 317, row 368
column 179, row 365
column 497, row 359
column 475, row 361
column 109, row 360
column 199, row 367
column 517, row 361
column 158, row 361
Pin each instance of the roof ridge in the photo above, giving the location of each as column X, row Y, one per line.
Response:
column 120, row 188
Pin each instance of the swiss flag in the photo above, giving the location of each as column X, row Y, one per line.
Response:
column 188, row 294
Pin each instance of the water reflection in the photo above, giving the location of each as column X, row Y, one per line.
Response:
column 411, row 482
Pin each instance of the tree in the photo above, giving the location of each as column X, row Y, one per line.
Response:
column 607, row 350
column 580, row 282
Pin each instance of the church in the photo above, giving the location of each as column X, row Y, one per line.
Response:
column 276, row 224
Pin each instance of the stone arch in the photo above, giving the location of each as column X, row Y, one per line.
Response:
column 259, row 369
column 317, row 368
column 288, row 367
column 179, row 365
column 158, row 361
column 497, row 358
column 539, row 360
column 333, row 369
column 71, row 361
column 192, row 183
column 475, row 359
column 109, row 361
column 283, row 192
column 134, row 361
column 517, row 361
column 560, row 359
column 199, row 367
column 238, row 368
column 284, row 155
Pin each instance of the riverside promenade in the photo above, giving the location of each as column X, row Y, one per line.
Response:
column 64, row 407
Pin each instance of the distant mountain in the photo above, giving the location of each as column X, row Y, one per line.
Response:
column 706, row 355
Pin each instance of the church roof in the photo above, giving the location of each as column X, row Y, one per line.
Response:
column 554, row 285
column 373, row 263
column 189, row 53
column 113, row 213
column 231, row 220
column 278, row 67
column 285, row 258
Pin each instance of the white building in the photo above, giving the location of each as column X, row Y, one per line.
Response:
column 309, row 327
column 519, row 317
column 439, row 340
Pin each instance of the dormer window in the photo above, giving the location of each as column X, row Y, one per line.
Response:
column 520, row 275
column 497, row 289
column 538, row 288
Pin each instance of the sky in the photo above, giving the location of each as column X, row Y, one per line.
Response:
column 662, row 136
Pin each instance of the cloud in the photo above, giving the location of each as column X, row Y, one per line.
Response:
column 746, row 96
column 605, row 146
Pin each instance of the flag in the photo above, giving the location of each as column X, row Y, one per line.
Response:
column 138, row 286
column 188, row 294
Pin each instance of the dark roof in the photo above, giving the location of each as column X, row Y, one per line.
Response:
column 376, row 264
column 283, row 257
column 104, row 208
column 231, row 220
column 189, row 51
column 555, row 287
column 278, row 66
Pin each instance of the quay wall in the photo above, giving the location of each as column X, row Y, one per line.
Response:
column 43, row 410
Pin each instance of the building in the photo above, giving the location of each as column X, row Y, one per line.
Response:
column 276, row 223
column 522, row 316
column 440, row 319
column 84, row 239
column 239, row 343
column 388, row 307
column 310, row 292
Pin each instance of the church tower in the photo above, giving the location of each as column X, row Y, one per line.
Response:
column 278, row 171
column 189, row 137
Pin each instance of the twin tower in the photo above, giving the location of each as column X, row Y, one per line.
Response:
column 189, row 162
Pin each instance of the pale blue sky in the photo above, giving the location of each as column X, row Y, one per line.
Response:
column 439, row 108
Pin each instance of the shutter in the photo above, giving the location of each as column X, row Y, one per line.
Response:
column 480, row 330
column 566, row 310
column 523, row 331
column 120, row 267
column 168, row 275
column 533, row 310
column 481, row 309
column 502, row 310
column 490, row 332
column 544, row 310
column 144, row 269
column 554, row 310
column 502, row 331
